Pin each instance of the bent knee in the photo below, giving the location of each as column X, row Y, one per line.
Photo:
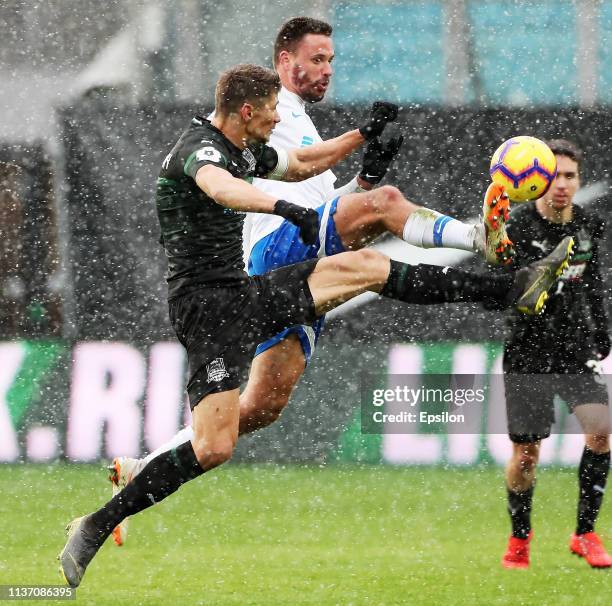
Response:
column 365, row 264
column 213, row 453
column 385, row 197
column 528, row 462
column 598, row 442
column 526, row 456
column 389, row 196
column 389, row 192
column 364, row 258
column 369, row 256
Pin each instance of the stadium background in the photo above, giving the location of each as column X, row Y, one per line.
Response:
column 92, row 98
column 86, row 124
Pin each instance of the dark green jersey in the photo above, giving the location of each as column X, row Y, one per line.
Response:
column 577, row 305
column 202, row 239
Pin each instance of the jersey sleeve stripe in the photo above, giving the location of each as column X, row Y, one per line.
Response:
column 188, row 162
column 280, row 170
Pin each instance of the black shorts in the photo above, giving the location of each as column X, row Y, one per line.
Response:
column 220, row 327
column 530, row 398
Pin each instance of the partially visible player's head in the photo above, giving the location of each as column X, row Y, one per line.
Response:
column 563, row 147
column 303, row 52
column 250, row 92
column 564, row 187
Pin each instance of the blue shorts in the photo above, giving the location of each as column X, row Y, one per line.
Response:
column 285, row 247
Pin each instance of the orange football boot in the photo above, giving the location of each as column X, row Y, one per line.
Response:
column 495, row 213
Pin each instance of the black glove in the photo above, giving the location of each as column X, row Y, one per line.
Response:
column 377, row 158
column 306, row 219
column 381, row 113
column 601, row 339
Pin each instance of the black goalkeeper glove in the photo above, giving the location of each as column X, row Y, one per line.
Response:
column 601, row 339
column 306, row 219
column 377, row 158
column 382, row 112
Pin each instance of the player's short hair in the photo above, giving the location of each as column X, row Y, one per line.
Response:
column 244, row 83
column 294, row 30
column 563, row 147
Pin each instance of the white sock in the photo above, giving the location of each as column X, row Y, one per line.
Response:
column 429, row 228
column 184, row 435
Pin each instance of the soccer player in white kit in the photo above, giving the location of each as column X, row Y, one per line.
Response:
column 350, row 217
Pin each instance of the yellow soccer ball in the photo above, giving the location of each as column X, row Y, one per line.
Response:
column 526, row 167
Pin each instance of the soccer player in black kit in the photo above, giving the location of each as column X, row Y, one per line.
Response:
column 558, row 353
column 220, row 314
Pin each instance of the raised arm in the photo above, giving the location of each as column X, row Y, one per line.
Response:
column 306, row 162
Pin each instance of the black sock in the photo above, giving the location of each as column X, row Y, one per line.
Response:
column 434, row 284
column 519, row 508
column 592, row 476
column 160, row 478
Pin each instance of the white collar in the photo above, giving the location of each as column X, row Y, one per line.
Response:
column 294, row 101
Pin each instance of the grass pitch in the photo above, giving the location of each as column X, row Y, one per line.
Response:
column 271, row 535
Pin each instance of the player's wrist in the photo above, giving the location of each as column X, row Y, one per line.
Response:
column 306, row 219
column 362, row 184
column 287, row 210
column 370, row 178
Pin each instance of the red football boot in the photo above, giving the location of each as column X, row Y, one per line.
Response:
column 590, row 547
column 517, row 553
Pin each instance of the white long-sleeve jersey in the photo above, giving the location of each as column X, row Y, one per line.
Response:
column 295, row 129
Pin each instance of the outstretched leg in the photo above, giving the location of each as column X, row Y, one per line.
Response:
column 215, row 427
column 341, row 277
column 361, row 218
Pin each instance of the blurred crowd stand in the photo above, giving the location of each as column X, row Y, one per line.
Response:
column 30, row 297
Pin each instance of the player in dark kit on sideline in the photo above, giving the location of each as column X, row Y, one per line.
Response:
column 220, row 313
column 558, row 353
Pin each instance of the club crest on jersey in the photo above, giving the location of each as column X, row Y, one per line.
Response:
column 247, row 154
column 216, row 370
column 209, row 154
